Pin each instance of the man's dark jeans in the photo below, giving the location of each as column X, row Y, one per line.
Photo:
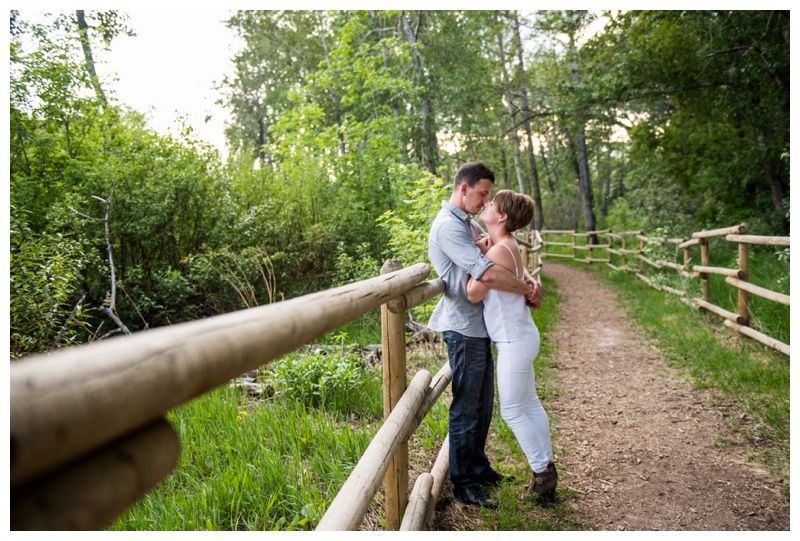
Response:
column 471, row 410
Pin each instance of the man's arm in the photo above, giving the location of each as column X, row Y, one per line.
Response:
column 496, row 277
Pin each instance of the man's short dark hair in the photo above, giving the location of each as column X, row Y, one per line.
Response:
column 472, row 173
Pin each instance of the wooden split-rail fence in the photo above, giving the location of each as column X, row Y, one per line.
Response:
column 88, row 433
column 630, row 246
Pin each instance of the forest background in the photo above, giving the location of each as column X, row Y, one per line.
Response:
column 345, row 130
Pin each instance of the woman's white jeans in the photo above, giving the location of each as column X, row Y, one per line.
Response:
column 519, row 404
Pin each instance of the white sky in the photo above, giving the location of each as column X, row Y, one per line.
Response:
column 170, row 68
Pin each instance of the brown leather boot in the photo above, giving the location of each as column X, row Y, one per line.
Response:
column 543, row 485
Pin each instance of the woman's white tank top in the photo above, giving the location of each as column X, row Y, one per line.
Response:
column 506, row 315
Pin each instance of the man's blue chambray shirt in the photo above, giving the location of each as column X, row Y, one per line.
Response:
column 452, row 251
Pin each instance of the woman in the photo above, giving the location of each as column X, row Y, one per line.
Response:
column 516, row 337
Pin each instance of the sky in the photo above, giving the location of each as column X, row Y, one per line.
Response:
column 170, row 68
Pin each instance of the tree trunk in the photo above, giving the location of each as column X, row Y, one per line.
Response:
column 393, row 101
column 83, row 34
column 512, row 113
column 585, row 183
column 428, row 146
column 547, row 174
column 607, row 190
column 778, row 196
column 334, row 99
column 538, row 216
column 584, row 179
column 504, row 165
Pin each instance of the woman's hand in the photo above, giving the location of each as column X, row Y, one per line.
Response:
column 483, row 242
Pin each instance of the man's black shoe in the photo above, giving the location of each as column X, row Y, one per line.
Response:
column 493, row 477
column 474, row 495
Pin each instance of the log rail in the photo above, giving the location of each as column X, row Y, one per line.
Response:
column 737, row 278
column 88, row 436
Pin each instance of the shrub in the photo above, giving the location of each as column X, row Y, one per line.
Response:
column 337, row 383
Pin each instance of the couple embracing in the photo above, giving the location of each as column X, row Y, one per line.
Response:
column 488, row 298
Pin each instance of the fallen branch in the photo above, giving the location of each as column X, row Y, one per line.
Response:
column 70, row 318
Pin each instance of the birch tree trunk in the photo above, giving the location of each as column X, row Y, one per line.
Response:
column 512, row 114
column 584, row 179
column 538, row 217
column 428, row 146
column 83, row 34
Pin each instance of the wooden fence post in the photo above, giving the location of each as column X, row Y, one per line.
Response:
column 393, row 338
column 622, row 251
column 687, row 258
column 574, row 243
column 641, row 252
column 704, row 261
column 524, row 249
column 744, row 270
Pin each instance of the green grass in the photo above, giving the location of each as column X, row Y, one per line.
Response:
column 253, row 465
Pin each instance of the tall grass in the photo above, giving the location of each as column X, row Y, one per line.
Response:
column 259, row 465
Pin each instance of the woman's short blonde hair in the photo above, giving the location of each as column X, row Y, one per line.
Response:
column 517, row 206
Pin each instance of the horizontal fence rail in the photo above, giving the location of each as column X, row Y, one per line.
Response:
column 630, row 245
column 87, row 431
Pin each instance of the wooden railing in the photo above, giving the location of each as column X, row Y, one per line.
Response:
column 629, row 248
column 88, row 434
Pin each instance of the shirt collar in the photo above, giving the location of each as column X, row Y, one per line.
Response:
column 460, row 214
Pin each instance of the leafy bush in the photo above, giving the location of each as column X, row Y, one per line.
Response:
column 354, row 269
column 336, row 383
column 44, row 275
column 409, row 223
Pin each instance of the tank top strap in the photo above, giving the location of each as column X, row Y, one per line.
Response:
column 516, row 269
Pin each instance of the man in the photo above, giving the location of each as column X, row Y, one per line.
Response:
column 454, row 254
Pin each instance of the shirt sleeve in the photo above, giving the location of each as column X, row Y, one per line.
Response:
column 456, row 242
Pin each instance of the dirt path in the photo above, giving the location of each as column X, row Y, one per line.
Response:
column 638, row 446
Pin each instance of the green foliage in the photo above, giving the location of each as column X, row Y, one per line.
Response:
column 409, row 223
column 622, row 218
column 343, row 110
column 43, row 269
column 336, row 383
column 707, row 95
column 355, row 268
column 235, row 451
